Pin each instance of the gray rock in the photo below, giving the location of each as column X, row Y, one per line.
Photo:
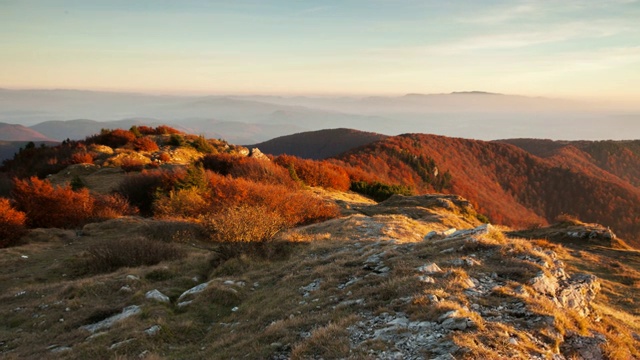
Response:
column 315, row 285
column 449, row 232
column 455, row 324
column 580, row 290
column 108, row 322
column 59, row 349
column 120, row 344
column 480, row 230
column 194, row 290
column 430, row 269
column 426, row 279
column 156, row 295
column 152, row 331
column 544, row 284
column 430, row 235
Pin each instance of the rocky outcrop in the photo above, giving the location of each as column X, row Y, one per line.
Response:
column 578, row 292
column 257, row 154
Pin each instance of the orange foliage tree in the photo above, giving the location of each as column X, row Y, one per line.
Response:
column 12, row 224
column 49, row 206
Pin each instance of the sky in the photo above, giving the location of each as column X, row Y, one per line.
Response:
column 568, row 49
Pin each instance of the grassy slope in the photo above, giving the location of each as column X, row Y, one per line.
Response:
column 46, row 296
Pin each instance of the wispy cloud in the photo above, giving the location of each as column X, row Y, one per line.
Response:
column 516, row 40
column 559, row 33
column 314, row 10
column 502, row 15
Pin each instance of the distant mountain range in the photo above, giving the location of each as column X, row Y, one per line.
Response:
column 13, row 132
column 254, row 119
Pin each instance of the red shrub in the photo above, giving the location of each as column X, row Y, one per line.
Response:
column 316, row 173
column 12, row 224
column 129, row 165
column 166, row 130
column 146, row 130
column 295, row 206
column 112, row 138
column 263, row 171
column 81, row 158
column 219, row 163
column 145, row 144
column 111, row 207
column 164, row 157
column 48, row 206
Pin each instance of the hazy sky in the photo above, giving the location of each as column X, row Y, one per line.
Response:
column 559, row 48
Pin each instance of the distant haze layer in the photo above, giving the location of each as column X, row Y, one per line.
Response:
column 252, row 119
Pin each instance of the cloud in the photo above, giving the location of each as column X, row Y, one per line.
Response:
column 313, row 10
column 498, row 16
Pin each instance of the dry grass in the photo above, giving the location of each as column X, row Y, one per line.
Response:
column 127, row 252
column 330, row 341
column 256, row 305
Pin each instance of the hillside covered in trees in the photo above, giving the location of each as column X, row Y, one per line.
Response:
column 164, row 171
column 508, row 184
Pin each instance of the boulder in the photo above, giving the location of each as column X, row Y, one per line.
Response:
column 108, row 322
column 156, row 295
column 430, row 269
column 544, row 284
column 580, row 290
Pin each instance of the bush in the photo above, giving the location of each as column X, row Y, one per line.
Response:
column 145, row 144
column 247, row 230
column 202, row 145
column 219, row 163
column 182, row 203
column 164, row 157
column 140, row 189
column 112, row 138
column 165, row 130
column 82, row 158
column 315, row 173
column 245, row 224
column 379, row 191
column 12, row 224
column 128, row 252
column 129, row 165
column 145, row 130
column 297, row 207
column 111, row 207
column 177, row 140
column 48, row 206
column 259, row 170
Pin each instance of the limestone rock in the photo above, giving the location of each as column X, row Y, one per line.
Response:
column 194, row 290
column 156, row 295
column 580, row 290
column 108, row 322
column 544, row 284
column 430, row 269
column 257, row 154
